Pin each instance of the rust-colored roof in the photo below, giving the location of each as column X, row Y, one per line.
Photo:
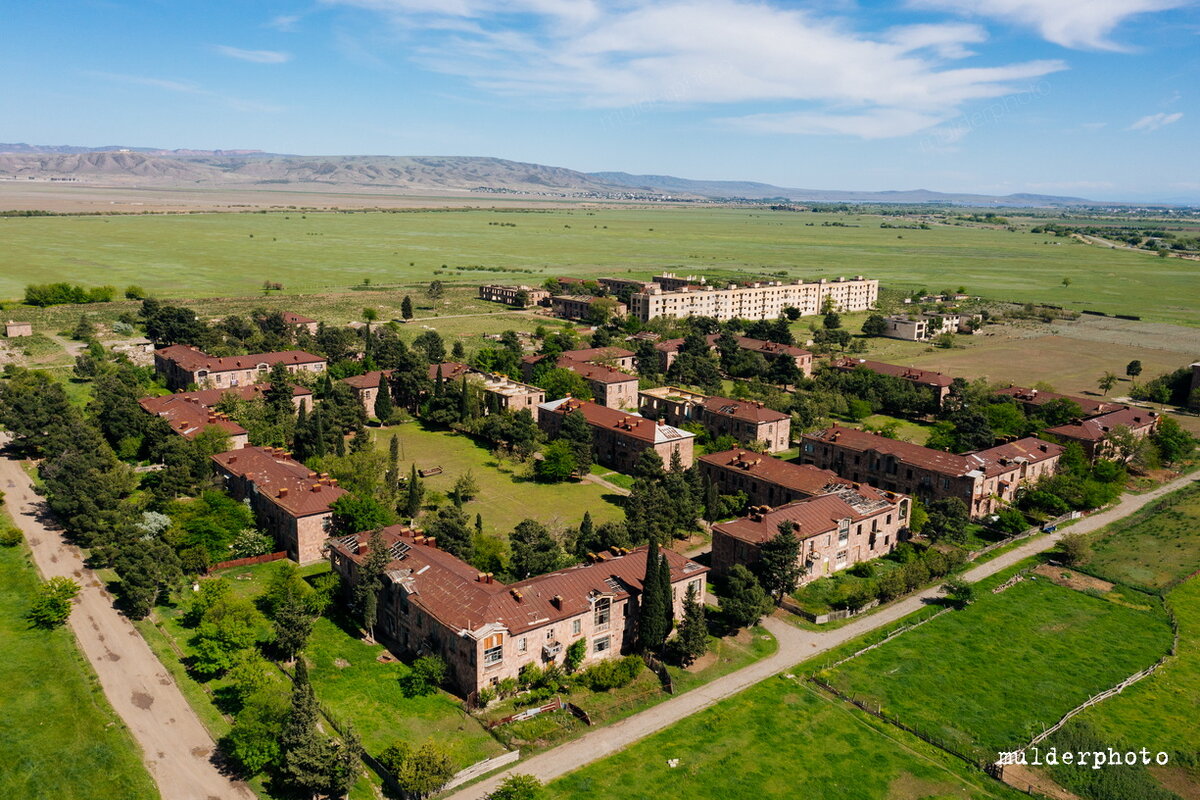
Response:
column 594, row 372
column 745, row 410
column 814, row 515
column 282, row 479
column 192, row 359
column 1098, row 428
column 912, row 374
column 296, row 319
column 598, row 354
column 805, row 478
column 1037, row 397
column 368, row 380
column 451, row 591
column 207, row 398
column 188, row 417
column 1005, row 457
column 915, row 455
column 770, row 348
column 626, row 423
column 451, row 370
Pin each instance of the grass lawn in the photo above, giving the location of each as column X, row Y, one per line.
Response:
column 781, row 740
column 206, row 255
column 61, row 739
column 988, row 677
column 506, row 495
column 906, row 430
column 1160, row 712
column 1153, row 547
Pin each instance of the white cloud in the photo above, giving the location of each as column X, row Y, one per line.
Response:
column 253, row 56
column 1082, row 24
column 186, row 87
column 288, row 23
column 823, row 74
column 1153, row 122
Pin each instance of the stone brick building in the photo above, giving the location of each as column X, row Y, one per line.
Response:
column 502, row 393
column 936, row 382
column 514, row 295
column 14, row 329
column 985, row 480
column 1094, row 434
column 579, row 306
column 837, row 530
column 669, row 350
column 300, row 322
column 486, row 630
column 183, row 366
column 291, row 502
column 746, row 421
column 619, row 437
column 188, row 418
column 610, row 387
column 766, row 480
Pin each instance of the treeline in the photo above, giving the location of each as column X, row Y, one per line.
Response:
column 56, row 294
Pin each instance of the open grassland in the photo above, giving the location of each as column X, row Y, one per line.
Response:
column 1160, row 712
column 1153, row 548
column 506, row 496
column 232, row 254
column 61, row 739
column 990, row 676
column 779, row 740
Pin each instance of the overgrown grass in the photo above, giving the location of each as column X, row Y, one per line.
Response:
column 61, row 739
column 1153, row 547
column 988, row 677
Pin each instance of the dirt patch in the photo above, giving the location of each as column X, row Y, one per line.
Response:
column 703, row 661
column 1028, row 779
column 201, row 752
column 386, row 658
column 910, row 787
column 142, row 700
column 341, row 663
column 1180, row 780
column 1072, row 579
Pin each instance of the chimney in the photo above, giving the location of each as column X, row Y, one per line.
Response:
column 557, row 601
column 489, row 577
column 283, row 492
column 516, row 595
column 431, row 541
column 480, row 577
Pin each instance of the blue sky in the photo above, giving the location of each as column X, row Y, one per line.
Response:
column 1095, row 98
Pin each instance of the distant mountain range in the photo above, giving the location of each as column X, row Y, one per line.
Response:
column 150, row 167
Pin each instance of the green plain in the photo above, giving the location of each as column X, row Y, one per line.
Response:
column 1153, row 547
column 233, row 254
column 60, row 738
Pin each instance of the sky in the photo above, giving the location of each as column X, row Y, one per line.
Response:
column 1089, row 98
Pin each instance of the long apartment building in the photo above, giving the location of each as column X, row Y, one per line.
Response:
column 602, row 368
column 985, row 480
column 189, row 413
column 486, row 630
column 766, row 480
column 184, row 366
column 514, row 295
column 936, row 382
column 836, row 530
column 754, row 301
column 747, row 421
column 619, row 437
column 668, row 351
column 290, row 501
column 579, row 306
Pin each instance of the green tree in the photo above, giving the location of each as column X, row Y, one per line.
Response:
column 959, row 592
column 292, row 623
column 370, row 581
column 557, row 463
column 253, row 742
column 466, row 488
column 426, row 675
column 453, row 532
column 576, row 432
column 744, row 602
column 51, row 604
column 1107, row 382
column 692, row 636
column 874, row 325
column 1133, row 369
column 435, row 290
column 1173, row 442
column 231, row 624
column 354, row 514
column 560, row 383
column 948, row 519
column 518, row 787
column 414, row 493
column 534, row 550
column 34, row 408
column 307, row 756
column 652, row 629
column 418, row 771
column 384, row 408
column 406, row 308
column 1075, row 548
column 778, row 567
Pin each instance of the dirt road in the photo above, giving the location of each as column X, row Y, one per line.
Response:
column 795, row 645
column 176, row 748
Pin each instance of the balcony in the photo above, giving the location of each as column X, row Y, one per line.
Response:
column 551, row 650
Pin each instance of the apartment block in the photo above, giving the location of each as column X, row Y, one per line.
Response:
column 936, row 382
column 502, row 393
column 579, row 306
column 747, row 421
column 514, row 295
column 184, row 366
column 619, row 437
column 668, row 350
column 755, row 301
column 922, row 327
column 765, row 479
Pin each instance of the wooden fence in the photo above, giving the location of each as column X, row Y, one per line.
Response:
column 528, row 713
column 245, row 562
column 660, row 669
column 886, row 639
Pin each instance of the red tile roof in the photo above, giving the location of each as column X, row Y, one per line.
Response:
column 625, row 422
column 207, row 398
column 914, row 454
column 451, row 370
column 770, row 348
column 913, row 374
column 1098, row 428
column 368, row 380
column 814, row 515
column 804, row 478
column 284, row 480
column 744, row 410
column 192, row 359
column 296, row 319
column 188, row 417
column 595, row 372
column 450, row 590
column 1003, row 457
column 1037, row 397
column 595, row 354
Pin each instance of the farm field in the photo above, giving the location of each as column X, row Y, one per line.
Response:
column 505, row 496
column 988, row 677
column 1154, row 547
column 60, row 737
column 223, row 254
column 736, row 748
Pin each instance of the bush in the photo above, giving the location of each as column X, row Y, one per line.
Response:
column 10, row 536
column 52, row 602
column 518, row 787
column 428, row 673
column 575, row 654
column 611, row 673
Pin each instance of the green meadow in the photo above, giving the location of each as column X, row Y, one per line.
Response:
column 207, row 255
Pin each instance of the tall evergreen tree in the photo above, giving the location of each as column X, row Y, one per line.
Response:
column 415, row 493
column 370, row 581
column 587, row 528
column 652, row 630
column 406, row 308
column 392, row 476
column 383, row 402
column 712, row 501
column 279, row 394
column 307, row 756
column 578, row 435
column 692, row 638
column 453, row 532
column 666, row 593
column 292, row 620
column 778, row 566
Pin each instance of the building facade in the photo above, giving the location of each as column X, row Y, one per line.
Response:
column 747, row 421
column 485, row 630
column 300, row 322
column 669, row 350
column 753, row 301
column 837, row 530
column 184, row 366
column 514, row 295
column 1095, row 435
column 290, row 502
column 579, row 306
column 936, row 382
column 764, row 479
column 619, row 437
column 14, row 329
column 503, row 394
column 188, row 418
column 922, row 327
column 985, row 480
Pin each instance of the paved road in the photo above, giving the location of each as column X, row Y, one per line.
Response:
column 176, row 748
column 795, row 645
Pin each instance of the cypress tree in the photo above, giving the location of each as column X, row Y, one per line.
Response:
column 652, row 631
column 383, row 402
column 668, row 597
column 712, row 501
column 479, row 525
column 693, row 629
column 406, row 307
column 778, row 568
column 587, row 529
column 578, row 435
column 392, row 476
column 307, row 755
column 464, row 401
column 416, row 492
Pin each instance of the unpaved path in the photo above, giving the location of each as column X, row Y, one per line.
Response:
column 176, row 748
column 795, row 645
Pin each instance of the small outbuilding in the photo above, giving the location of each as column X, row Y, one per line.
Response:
column 14, row 329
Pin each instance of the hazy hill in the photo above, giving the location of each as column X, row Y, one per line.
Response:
column 422, row 175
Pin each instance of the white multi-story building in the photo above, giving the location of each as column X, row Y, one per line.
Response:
column 765, row 300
